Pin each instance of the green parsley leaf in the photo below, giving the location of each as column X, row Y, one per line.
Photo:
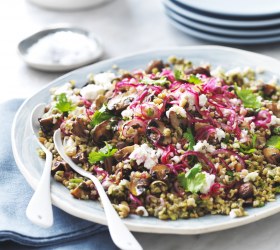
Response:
column 193, row 180
column 103, row 153
column 274, row 142
column 249, row 149
column 194, row 79
column 229, row 173
column 189, row 136
column 177, row 74
column 100, row 116
column 277, row 130
column 64, row 105
column 249, row 99
column 162, row 81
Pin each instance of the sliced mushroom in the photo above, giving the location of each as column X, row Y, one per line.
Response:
column 155, row 64
column 274, row 108
column 176, row 121
column 79, row 127
column 199, row 70
column 160, row 127
column 102, row 132
column 59, row 166
column 199, row 125
column 269, row 89
column 272, row 155
column 121, row 102
column 99, row 101
column 123, row 153
column 49, row 124
column 158, row 187
column 160, row 172
column 138, row 186
column 246, row 190
column 80, row 158
column 108, row 163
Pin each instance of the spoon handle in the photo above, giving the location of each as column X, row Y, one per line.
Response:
column 39, row 209
column 120, row 235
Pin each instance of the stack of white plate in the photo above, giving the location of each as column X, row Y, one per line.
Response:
column 222, row 21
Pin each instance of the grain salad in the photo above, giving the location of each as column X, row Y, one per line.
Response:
column 172, row 141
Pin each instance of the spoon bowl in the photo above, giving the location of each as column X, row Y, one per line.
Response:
column 39, row 210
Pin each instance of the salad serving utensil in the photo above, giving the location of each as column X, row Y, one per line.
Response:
column 120, row 235
column 39, row 210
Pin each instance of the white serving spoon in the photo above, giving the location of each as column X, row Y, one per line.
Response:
column 39, row 209
column 118, row 231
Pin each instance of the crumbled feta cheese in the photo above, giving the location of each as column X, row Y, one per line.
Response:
column 178, row 110
column 252, row 127
column 223, row 145
column 233, row 213
column 235, row 101
column 234, row 71
column 69, row 146
column 251, row 176
column 203, row 147
column 191, row 202
column 274, row 121
column 185, row 98
column 66, row 88
column 104, row 79
column 91, row 91
column 243, row 173
column 178, row 145
column 209, row 181
column 217, row 72
column 127, row 113
column 141, row 211
column 202, row 100
column 244, row 136
column 220, row 134
column 145, row 154
column 176, row 159
column 235, row 145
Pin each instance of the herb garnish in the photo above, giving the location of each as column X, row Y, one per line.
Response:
column 249, row 99
column 63, row 104
column 274, row 142
column 100, row 116
column 189, row 136
column 194, row 79
column 249, row 149
column 102, row 154
column 193, row 180
column 162, row 81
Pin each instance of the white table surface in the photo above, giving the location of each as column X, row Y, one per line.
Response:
column 125, row 26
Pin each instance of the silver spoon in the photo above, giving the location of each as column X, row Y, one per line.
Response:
column 118, row 231
column 39, row 209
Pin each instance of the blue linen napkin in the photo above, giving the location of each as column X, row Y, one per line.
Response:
column 15, row 195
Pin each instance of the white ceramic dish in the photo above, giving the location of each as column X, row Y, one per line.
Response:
column 247, row 8
column 221, row 31
column 220, row 21
column 31, row 166
column 223, row 39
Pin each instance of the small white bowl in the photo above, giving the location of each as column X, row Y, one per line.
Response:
column 25, row 44
column 67, row 4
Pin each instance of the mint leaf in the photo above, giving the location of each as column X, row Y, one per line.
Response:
column 100, row 116
column 189, row 136
column 103, row 153
column 274, row 142
column 162, row 81
column 194, row 79
column 63, row 104
column 249, row 99
column 193, row 180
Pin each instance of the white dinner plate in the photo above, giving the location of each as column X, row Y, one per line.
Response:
column 219, row 30
column 24, row 144
column 222, row 39
column 239, row 8
column 220, row 21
